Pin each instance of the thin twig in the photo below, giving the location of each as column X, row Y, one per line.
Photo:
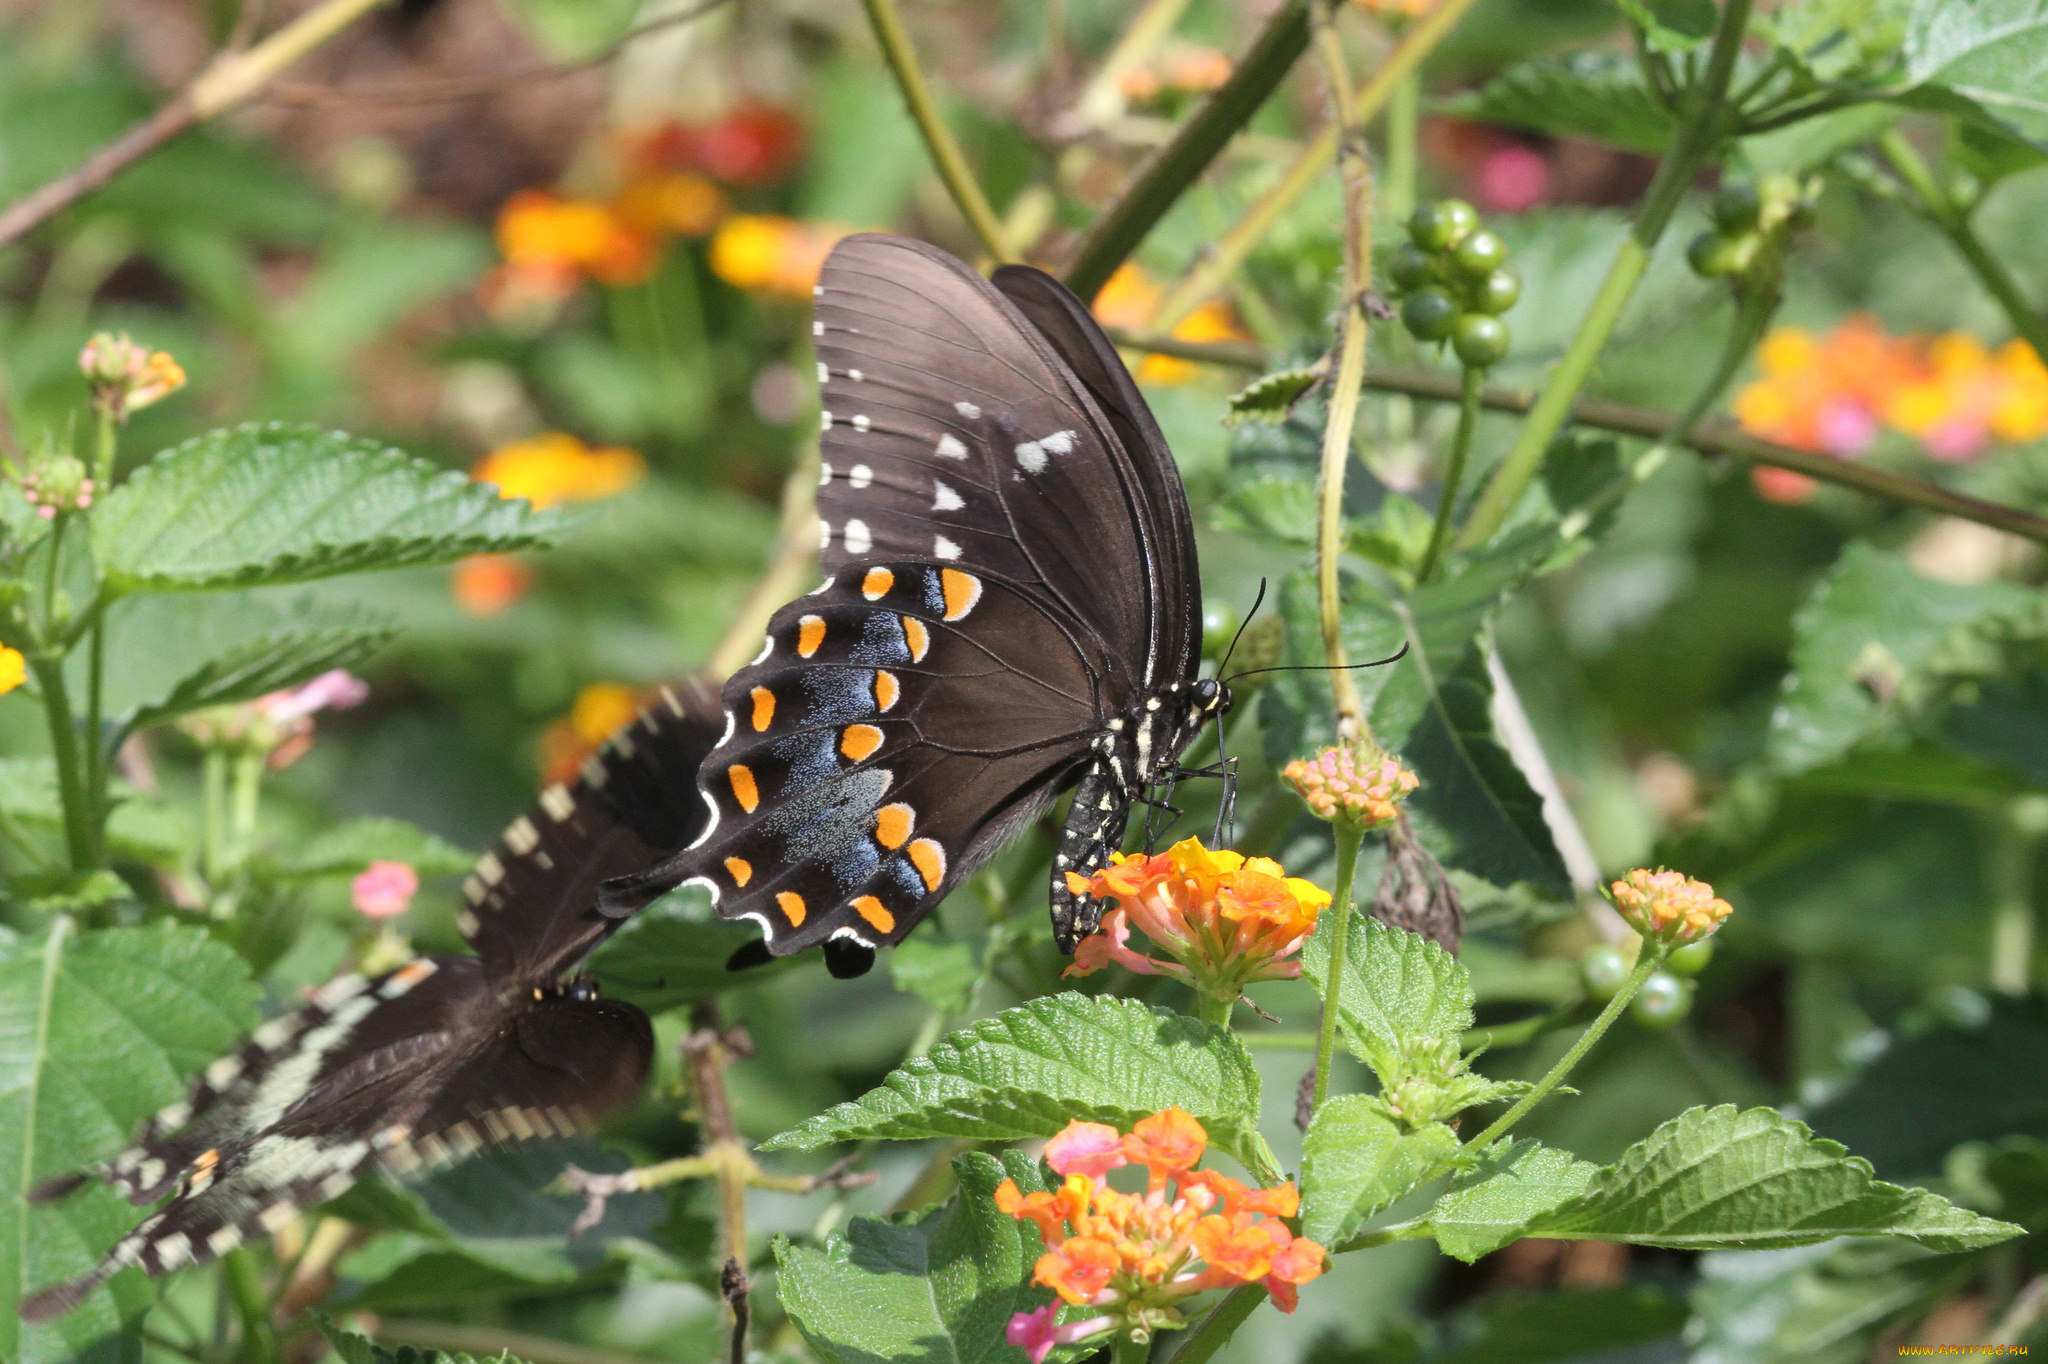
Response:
column 1720, row 436
column 469, row 87
column 1161, row 181
column 946, row 155
column 228, row 81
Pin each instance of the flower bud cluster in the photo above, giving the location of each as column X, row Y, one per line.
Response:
column 125, row 377
column 56, row 483
column 1745, row 217
column 1669, row 905
column 1455, row 282
column 1362, row 785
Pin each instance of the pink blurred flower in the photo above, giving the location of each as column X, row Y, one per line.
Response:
column 335, row 689
column 1511, row 179
column 1086, row 1148
column 384, row 889
column 1845, row 429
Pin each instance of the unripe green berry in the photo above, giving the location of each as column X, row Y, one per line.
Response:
column 1690, row 959
column 1429, row 314
column 1479, row 254
column 1663, row 1001
column 1219, row 627
column 1737, row 207
column 1412, row 267
column 1481, row 340
column 1499, row 291
column 1603, row 970
column 1713, row 255
column 1441, row 225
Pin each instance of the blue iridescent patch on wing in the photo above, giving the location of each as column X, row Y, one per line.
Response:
column 838, row 696
column 881, row 641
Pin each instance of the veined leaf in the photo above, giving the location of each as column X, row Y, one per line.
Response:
column 97, row 1030
column 1719, row 1179
column 1671, row 25
column 257, row 505
column 939, row 1289
column 1990, row 56
column 351, row 1348
column 1488, row 1206
column 1271, row 397
column 1599, row 96
column 1029, row 1070
column 1398, row 987
column 1356, row 1160
column 143, row 826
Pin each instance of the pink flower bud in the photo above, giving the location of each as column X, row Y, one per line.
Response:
column 1362, row 786
column 384, row 890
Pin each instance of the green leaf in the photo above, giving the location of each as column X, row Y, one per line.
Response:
column 938, row 1289
column 1474, row 791
column 346, row 849
column 97, row 1031
column 1671, row 25
column 942, row 972
column 143, row 826
column 674, row 953
column 1398, row 988
column 1270, row 397
column 1599, row 96
column 1873, row 629
column 1487, row 1206
column 1989, row 55
column 1719, row 1179
column 1356, row 1160
column 1272, row 508
column 354, row 1349
column 169, row 655
column 1030, row 1070
column 277, row 504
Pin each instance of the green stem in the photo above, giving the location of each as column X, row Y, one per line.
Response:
column 248, row 788
column 252, row 1305
column 1348, row 838
column 213, row 785
column 1648, row 959
column 1413, row 1230
column 946, row 155
column 2021, row 825
column 1214, row 1010
column 1953, row 221
column 52, row 575
column 95, row 773
column 1698, row 137
column 1471, row 386
column 1404, row 127
column 1177, row 165
column 1124, row 1350
column 103, row 455
column 78, row 840
column 1216, row 1329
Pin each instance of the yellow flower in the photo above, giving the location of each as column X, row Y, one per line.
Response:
column 125, row 377
column 556, row 467
column 1668, row 905
column 13, row 669
column 599, row 711
column 1129, row 298
column 771, row 255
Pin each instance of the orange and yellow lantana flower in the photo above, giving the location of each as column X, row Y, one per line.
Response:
column 1669, row 905
column 547, row 470
column 599, row 711
column 13, row 669
column 1226, row 920
column 1133, row 1257
column 763, row 254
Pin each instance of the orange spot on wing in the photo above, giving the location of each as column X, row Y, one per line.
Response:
column 962, row 591
column 887, row 689
column 411, row 975
column 858, row 742
column 930, row 860
column 893, row 824
column 810, row 633
column 917, row 637
column 792, row 905
column 741, row 870
column 877, row 583
column 743, row 788
column 764, row 708
column 871, row 909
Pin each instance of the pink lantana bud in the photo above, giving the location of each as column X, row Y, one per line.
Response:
column 56, row 483
column 335, row 689
column 384, row 889
column 1363, row 786
column 125, row 377
column 1086, row 1148
column 1668, row 905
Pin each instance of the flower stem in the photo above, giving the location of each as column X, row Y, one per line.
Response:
column 1348, row 838
column 1216, row 1329
column 1128, row 1351
column 1404, row 126
column 252, row 1305
column 1706, row 123
column 1648, row 959
column 946, row 155
column 1471, row 386
column 1215, row 1010
column 78, row 840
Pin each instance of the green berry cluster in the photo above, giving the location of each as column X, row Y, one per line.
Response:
column 1745, row 218
column 1455, row 282
column 1666, row 996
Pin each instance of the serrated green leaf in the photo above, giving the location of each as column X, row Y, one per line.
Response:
column 1271, row 397
column 1872, row 627
column 938, row 1288
column 1599, row 96
column 354, row 1349
column 1719, row 1179
column 1487, row 1206
column 942, row 972
column 97, row 1030
column 1030, row 1070
column 1272, row 508
column 1990, row 56
column 143, row 826
column 1355, row 1160
column 674, row 952
column 348, row 848
column 1398, row 988
column 257, row 505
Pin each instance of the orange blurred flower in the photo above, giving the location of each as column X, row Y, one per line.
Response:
column 1187, row 70
column 556, row 467
column 680, row 202
column 1408, row 8
column 765, row 254
column 13, row 669
column 486, row 584
column 1129, row 298
column 1132, row 1258
column 752, row 145
column 599, row 711
column 1225, row 919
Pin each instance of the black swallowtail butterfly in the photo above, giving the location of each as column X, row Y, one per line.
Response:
column 444, row 1055
column 1011, row 607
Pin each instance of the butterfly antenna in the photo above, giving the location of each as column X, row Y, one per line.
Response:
column 1322, row 667
column 1242, row 626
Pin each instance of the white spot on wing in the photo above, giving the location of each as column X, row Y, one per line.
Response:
column 967, row 410
column 824, row 474
column 943, row 548
column 951, row 448
column 824, row 534
column 860, row 421
column 824, row 421
column 824, row 371
column 557, row 801
column 855, row 375
column 944, row 498
column 1031, row 455
column 817, row 329
column 860, row 476
column 857, row 541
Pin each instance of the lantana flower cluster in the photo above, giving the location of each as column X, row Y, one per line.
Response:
column 279, row 724
column 599, row 711
column 1668, row 905
column 1225, row 920
column 775, row 256
column 1362, row 786
column 1133, row 1258
column 127, row 377
column 1835, row 393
